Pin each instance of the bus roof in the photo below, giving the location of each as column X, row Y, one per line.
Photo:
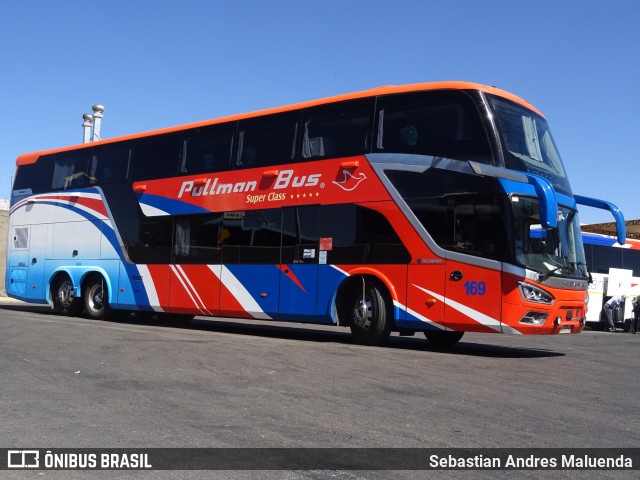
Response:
column 29, row 158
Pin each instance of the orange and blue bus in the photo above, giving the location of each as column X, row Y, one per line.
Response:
column 440, row 208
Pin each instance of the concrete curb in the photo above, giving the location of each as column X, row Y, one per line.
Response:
column 11, row 301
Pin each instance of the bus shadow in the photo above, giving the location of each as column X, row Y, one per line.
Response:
column 330, row 334
column 315, row 333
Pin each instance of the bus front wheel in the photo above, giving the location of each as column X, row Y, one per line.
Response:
column 370, row 314
column 63, row 296
column 96, row 298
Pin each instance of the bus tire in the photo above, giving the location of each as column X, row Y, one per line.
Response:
column 370, row 313
column 443, row 339
column 63, row 296
column 96, row 298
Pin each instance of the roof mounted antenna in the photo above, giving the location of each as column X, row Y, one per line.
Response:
column 97, row 121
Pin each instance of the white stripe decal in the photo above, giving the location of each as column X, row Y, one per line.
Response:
column 240, row 293
column 150, row 211
column 340, row 270
column 150, row 288
column 188, row 286
column 203, row 305
column 420, row 317
column 479, row 317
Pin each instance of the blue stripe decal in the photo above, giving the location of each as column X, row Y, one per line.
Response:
column 109, row 233
column 598, row 240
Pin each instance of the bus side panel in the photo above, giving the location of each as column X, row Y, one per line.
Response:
column 27, row 248
column 151, row 284
column 109, row 247
column 37, row 288
column 329, row 279
column 76, row 241
column 249, row 291
column 195, row 289
column 474, row 298
column 425, row 292
column 299, row 293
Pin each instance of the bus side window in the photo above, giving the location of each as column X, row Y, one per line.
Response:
column 360, row 235
column 35, row 176
column 337, row 130
column 155, row 157
column 268, row 140
column 207, row 149
column 251, row 236
column 438, row 123
column 197, row 239
column 110, row 163
column 71, row 170
column 300, row 234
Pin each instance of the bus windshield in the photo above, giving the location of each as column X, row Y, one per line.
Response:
column 556, row 251
column 527, row 143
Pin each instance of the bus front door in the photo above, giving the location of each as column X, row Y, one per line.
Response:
column 300, row 254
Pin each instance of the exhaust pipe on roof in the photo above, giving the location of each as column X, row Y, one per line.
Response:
column 97, row 121
column 86, row 127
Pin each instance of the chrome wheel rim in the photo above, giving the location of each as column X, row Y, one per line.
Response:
column 66, row 294
column 96, row 298
column 362, row 314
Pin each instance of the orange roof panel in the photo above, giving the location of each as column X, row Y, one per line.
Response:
column 30, row 158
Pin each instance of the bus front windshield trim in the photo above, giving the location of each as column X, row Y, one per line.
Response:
column 554, row 251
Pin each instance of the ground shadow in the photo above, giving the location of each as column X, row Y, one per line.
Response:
column 312, row 333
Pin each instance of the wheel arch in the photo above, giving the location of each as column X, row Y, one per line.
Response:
column 354, row 280
column 79, row 277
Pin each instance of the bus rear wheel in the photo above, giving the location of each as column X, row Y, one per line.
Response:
column 443, row 339
column 96, row 298
column 370, row 314
column 63, row 297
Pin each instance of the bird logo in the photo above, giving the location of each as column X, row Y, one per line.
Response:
column 349, row 181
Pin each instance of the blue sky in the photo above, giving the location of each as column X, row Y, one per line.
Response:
column 161, row 63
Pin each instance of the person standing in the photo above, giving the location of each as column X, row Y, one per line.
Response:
column 610, row 307
column 634, row 326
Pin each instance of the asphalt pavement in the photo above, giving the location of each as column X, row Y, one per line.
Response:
column 78, row 383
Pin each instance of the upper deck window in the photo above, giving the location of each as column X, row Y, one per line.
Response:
column 268, row 140
column 35, row 176
column 155, row 157
column 72, row 170
column 337, row 130
column 438, row 123
column 207, row 149
column 110, row 163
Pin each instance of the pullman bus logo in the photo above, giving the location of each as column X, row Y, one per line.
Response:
column 212, row 186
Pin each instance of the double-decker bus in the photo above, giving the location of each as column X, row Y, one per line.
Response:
column 402, row 208
column 606, row 256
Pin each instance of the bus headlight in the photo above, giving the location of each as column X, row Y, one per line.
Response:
column 531, row 293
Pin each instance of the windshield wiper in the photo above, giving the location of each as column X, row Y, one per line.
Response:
column 544, row 276
column 582, row 264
